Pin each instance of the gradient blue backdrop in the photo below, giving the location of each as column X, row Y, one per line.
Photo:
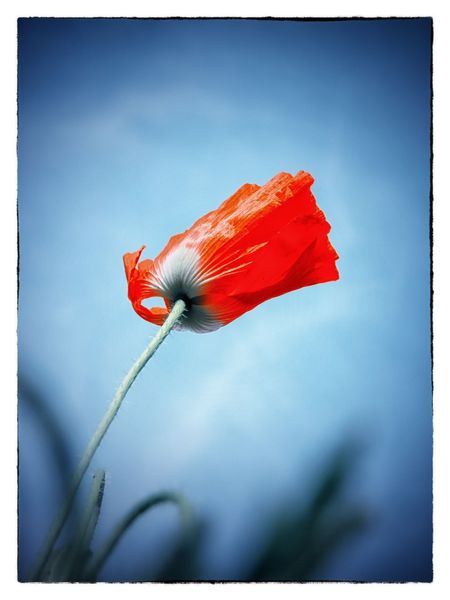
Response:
column 129, row 130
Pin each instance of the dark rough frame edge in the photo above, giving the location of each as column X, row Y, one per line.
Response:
column 431, row 200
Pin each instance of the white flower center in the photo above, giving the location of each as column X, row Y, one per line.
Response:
column 177, row 276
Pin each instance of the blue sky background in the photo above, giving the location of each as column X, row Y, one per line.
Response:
column 128, row 132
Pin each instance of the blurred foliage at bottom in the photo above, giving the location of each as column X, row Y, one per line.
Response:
column 299, row 537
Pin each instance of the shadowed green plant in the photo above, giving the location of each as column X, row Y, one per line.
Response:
column 45, row 555
column 90, row 573
column 32, row 399
column 300, row 540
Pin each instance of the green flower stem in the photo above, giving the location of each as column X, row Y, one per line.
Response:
column 80, row 547
column 174, row 315
column 92, row 512
column 186, row 526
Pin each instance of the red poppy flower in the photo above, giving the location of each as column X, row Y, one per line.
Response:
column 260, row 243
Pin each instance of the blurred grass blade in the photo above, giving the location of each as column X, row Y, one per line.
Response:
column 54, row 433
column 301, row 539
column 185, row 560
column 98, row 561
column 31, row 399
column 72, row 568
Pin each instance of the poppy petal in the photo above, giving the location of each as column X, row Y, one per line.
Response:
column 138, row 277
column 314, row 264
column 260, row 243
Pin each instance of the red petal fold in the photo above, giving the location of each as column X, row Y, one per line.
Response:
column 138, row 287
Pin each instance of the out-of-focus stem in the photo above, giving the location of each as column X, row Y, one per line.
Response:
column 174, row 315
column 186, row 526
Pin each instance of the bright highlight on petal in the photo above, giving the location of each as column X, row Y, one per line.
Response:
column 260, row 243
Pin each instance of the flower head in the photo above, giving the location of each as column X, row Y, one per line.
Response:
column 260, row 243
